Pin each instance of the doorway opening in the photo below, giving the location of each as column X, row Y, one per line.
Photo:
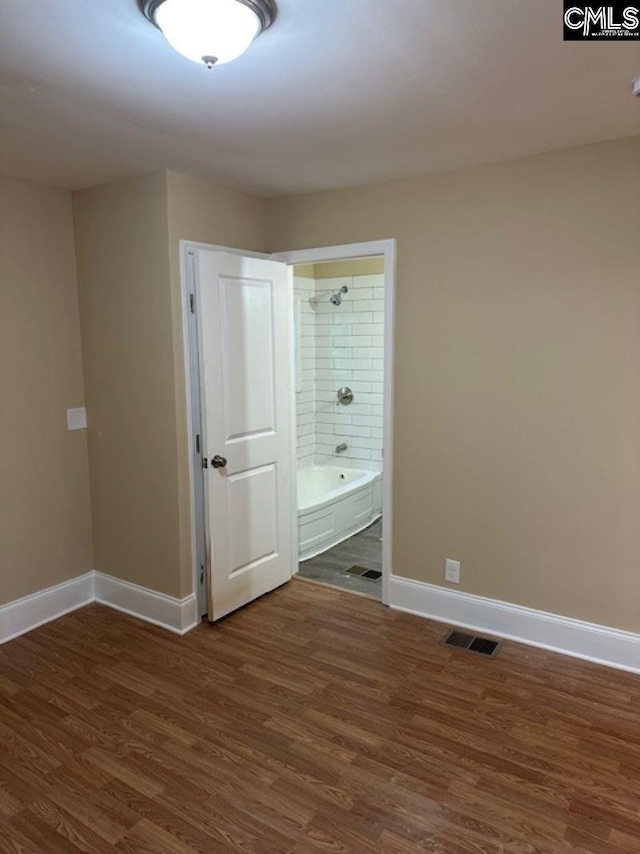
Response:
column 339, row 343
column 255, row 523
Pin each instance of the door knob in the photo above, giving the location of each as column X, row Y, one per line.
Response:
column 219, row 462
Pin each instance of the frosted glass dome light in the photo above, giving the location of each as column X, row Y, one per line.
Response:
column 210, row 31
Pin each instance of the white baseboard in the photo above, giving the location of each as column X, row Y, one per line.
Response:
column 176, row 615
column 589, row 641
column 28, row 613
column 23, row 615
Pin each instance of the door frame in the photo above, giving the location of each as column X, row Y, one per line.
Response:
column 385, row 249
column 188, row 275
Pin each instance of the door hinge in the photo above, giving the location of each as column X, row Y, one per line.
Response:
column 192, row 303
column 202, row 575
column 197, row 443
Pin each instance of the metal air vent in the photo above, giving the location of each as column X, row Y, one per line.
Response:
column 472, row 643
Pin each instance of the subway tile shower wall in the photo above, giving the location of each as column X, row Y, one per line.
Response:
column 306, row 370
column 340, row 346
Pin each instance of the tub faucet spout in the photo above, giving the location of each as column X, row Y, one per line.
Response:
column 341, row 448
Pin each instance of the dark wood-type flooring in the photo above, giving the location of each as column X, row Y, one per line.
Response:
column 363, row 549
column 311, row 721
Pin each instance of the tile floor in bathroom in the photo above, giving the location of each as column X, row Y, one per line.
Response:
column 363, row 549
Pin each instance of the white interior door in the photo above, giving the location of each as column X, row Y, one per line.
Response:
column 244, row 309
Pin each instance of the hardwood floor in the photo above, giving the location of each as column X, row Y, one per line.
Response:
column 312, row 721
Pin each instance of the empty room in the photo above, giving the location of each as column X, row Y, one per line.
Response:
column 319, row 427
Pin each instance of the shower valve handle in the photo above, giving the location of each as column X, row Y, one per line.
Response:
column 345, row 396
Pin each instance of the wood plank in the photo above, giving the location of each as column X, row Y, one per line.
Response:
column 311, row 721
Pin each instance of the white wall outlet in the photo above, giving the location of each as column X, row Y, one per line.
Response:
column 452, row 571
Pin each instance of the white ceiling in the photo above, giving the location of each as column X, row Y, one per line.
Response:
column 337, row 92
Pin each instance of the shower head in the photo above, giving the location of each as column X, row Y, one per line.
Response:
column 336, row 299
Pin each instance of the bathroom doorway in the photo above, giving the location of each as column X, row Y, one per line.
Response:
column 339, row 309
column 246, row 363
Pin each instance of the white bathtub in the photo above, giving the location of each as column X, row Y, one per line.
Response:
column 334, row 504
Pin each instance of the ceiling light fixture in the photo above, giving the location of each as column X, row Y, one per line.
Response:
column 210, row 31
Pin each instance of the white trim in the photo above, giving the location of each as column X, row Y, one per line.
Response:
column 342, row 252
column 23, row 615
column 188, row 277
column 293, row 423
column 175, row 615
column 565, row 635
column 371, row 249
column 185, row 245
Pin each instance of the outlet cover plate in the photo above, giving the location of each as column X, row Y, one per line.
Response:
column 77, row 418
column 452, row 571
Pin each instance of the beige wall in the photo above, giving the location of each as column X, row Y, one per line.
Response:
column 340, row 269
column 203, row 212
column 517, row 428
column 45, row 522
column 127, row 336
column 127, row 238
column 517, row 385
